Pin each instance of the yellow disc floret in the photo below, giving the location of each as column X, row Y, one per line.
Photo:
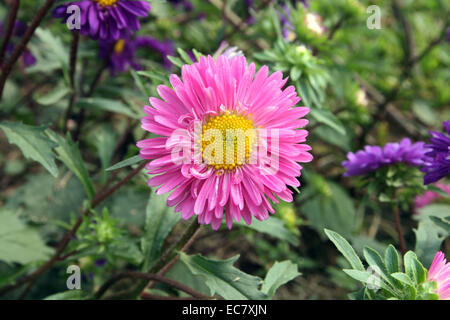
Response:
column 227, row 140
column 105, row 3
column 119, row 46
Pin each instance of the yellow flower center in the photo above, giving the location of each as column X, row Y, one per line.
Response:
column 227, row 140
column 118, row 46
column 105, row 3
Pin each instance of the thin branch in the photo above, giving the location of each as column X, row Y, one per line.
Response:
column 174, row 260
column 165, row 259
column 23, row 43
column 398, row 227
column 9, row 29
column 148, row 277
column 335, row 28
column 409, row 43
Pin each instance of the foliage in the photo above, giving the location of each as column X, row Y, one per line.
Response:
column 73, row 186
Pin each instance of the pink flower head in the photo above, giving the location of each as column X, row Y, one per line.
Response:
column 210, row 172
column 429, row 196
column 440, row 273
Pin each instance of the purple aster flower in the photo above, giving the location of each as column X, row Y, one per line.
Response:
column 121, row 54
column 106, row 19
column 18, row 31
column 437, row 160
column 373, row 157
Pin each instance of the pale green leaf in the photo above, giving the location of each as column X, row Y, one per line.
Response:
column 278, row 275
column 224, row 279
column 33, row 142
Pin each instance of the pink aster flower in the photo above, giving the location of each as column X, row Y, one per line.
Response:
column 209, row 172
column 440, row 273
column 429, row 196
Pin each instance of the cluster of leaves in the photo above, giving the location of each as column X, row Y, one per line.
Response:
column 386, row 279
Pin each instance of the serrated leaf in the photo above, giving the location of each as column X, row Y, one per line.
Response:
column 33, row 143
column 278, row 275
column 160, row 220
column 346, row 249
column 18, row 242
column 125, row 163
column 443, row 223
column 70, row 155
column 224, row 279
column 428, row 240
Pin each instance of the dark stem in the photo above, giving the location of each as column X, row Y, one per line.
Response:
column 23, row 44
column 154, row 277
column 336, row 28
column 100, row 197
column 174, row 260
column 164, row 260
column 398, row 226
column 72, row 72
column 9, row 29
column 92, row 87
column 150, row 296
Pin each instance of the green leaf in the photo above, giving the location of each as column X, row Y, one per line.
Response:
column 329, row 119
column 278, row 275
column 110, row 105
column 273, row 227
column 67, row 295
column 160, row 220
column 330, row 208
column 127, row 250
column 346, row 249
column 181, row 273
column 368, row 278
column 428, row 240
column 375, row 261
column 33, row 142
column 184, row 56
column 70, row 155
column 224, row 279
column 18, row 242
column 403, row 278
column 125, row 163
column 104, row 139
column 391, row 259
column 53, row 96
column 414, row 268
column 443, row 223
